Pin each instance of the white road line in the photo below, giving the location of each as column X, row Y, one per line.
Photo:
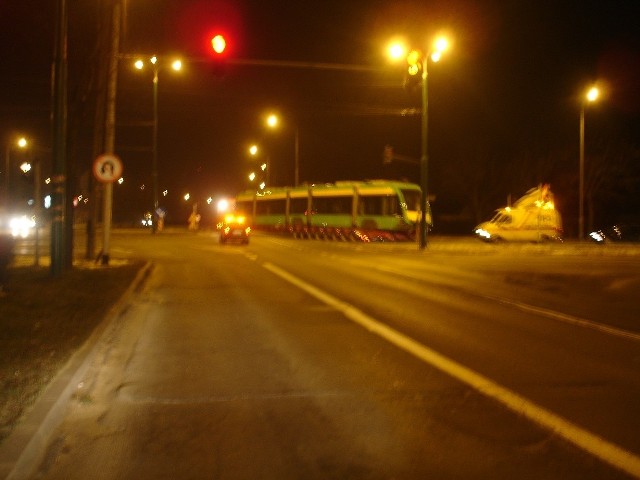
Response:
column 563, row 317
column 587, row 441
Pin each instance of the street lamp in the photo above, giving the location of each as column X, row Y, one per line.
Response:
column 20, row 143
column 272, row 122
column 417, row 61
column 589, row 97
column 176, row 65
column 26, row 167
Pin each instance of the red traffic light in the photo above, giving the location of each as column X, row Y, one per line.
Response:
column 218, row 44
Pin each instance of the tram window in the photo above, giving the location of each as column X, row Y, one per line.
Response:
column 278, row 207
column 298, row 205
column 332, row 205
column 379, row 205
column 246, row 207
column 262, row 208
column 271, row 207
column 412, row 199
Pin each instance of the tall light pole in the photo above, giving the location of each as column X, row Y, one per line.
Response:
column 110, row 128
column 20, row 143
column 176, row 65
column 26, row 167
column 59, row 139
column 272, row 122
column 591, row 96
column 37, row 195
column 418, row 62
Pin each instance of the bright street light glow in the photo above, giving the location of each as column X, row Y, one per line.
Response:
column 252, row 176
column 253, row 150
column 177, row 65
column 592, row 94
column 396, row 51
column 441, row 44
column 22, row 142
column 272, row 120
column 223, row 205
column 154, row 60
column 139, row 64
column 25, row 167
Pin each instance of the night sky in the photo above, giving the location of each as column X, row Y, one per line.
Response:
column 508, row 89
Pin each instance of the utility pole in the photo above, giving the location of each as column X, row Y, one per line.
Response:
column 110, row 127
column 59, row 128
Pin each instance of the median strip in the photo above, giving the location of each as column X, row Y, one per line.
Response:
column 583, row 439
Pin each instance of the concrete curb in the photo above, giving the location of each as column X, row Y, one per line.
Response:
column 22, row 452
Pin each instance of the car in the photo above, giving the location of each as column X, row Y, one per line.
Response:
column 617, row 233
column 234, row 228
column 18, row 226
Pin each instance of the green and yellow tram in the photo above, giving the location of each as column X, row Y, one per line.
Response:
column 358, row 210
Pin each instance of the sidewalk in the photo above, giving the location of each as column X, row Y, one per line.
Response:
column 36, row 322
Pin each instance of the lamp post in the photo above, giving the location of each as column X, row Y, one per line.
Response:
column 591, row 96
column 22, row 144
column 26, row 167
column 272, row 122
column 418, row 62
column 176, row 65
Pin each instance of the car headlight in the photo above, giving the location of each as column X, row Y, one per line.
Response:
column 21, row 226
column 482, row 233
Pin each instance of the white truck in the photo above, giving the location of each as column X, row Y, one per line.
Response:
column 532, row 218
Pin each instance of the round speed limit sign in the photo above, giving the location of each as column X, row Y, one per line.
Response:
column 107, row 168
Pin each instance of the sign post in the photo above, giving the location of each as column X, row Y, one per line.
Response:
column 107, row 169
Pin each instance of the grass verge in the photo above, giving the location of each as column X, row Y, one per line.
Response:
column 43, row 320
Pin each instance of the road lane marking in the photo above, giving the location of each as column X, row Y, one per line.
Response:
column 563, row 317
column 583, row 439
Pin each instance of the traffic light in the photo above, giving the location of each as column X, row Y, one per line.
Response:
column 413, row 75
column 414, row 62
column 218, row 44
column 218, row 53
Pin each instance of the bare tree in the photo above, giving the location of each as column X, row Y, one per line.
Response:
column 611, row 175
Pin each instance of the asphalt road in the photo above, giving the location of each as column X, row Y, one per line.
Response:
column 310, row 359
